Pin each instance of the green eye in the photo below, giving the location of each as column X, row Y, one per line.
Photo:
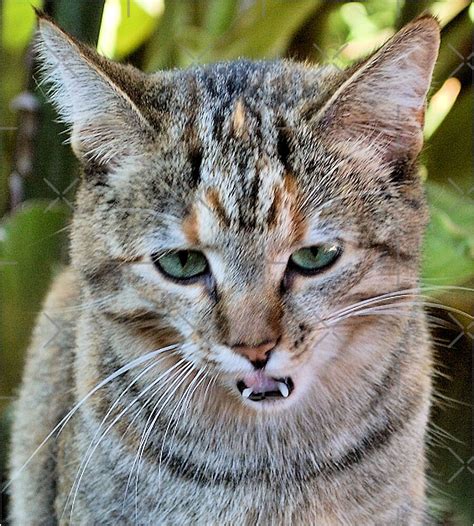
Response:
column 182, row 264
column 310, row 260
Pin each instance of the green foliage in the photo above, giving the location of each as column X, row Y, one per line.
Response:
column 447, row 156
column 126, row 26
column 449, row 247
column 31, row 245
column 219, row 17
column 222, row 34
column 266, row 30
column 18, row 22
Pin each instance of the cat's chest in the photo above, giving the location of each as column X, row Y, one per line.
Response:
column 108, row 483
column 182, row 488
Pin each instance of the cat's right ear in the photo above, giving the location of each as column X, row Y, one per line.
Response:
column 98, row 98
column 382, row 102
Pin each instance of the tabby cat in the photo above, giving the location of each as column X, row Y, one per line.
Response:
column 242, row 339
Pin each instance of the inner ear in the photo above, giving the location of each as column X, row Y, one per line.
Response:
column 95, row 97
column 382, row 103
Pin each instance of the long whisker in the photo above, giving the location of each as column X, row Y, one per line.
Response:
column 143, row 407
column 408, row 292
column 445, row 288
column 150, row 400
column 446, row 401
column 96, row 445
column 417, row 300
column 211, row 382
column 175, row 377
column 438, row 431
column 179, row 381
column 60, row 425
column 370, row 301
column 182, row 405
column 391, row 309
column 98, row 302
column 91, row 445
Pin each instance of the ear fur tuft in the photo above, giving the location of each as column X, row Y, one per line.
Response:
column 383, row 100
column 106, row 124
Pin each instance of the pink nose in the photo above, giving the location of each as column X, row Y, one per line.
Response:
column 257, row 354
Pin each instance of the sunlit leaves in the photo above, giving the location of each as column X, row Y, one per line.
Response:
column 449, row 244
column 264, row 31
column 18, row 23
column 127, row 24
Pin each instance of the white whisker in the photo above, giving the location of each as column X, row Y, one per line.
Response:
column 91, row 453
column 60, row 426
column 176, row 385
column 185, row 399
column 418, row 299
column 99, row 302
column 176, row 375
column 86, row 455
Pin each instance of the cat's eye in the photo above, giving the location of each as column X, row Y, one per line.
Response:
column 182, row 264
column 310, row 260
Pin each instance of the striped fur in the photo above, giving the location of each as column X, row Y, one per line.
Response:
column 246, row 161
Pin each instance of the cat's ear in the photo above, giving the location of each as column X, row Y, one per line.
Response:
column 382, row 102
column 96, row 97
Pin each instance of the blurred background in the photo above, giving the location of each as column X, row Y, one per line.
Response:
column 38, row 174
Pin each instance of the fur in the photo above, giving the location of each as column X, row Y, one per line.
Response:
column 247, row 162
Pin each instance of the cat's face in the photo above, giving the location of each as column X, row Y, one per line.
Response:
column 241, row 209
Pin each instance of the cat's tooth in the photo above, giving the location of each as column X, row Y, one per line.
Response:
column 283, row 389
column 247, row 392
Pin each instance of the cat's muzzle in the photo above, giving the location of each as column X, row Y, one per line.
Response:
column 258, row 386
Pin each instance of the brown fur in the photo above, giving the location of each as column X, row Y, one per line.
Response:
column 247, row 162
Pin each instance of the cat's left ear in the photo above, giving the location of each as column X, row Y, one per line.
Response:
column 98, row 98
column 382, row 103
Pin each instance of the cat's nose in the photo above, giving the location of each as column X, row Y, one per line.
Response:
column 259, row 354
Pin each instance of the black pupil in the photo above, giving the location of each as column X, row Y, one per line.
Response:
column 183, row 256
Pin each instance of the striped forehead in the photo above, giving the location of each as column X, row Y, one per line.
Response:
column 271, row 208
column 245, row 182
column 242, row 195
column 238, row 176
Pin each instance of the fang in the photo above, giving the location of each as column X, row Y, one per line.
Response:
column 283, row 388
column 247, row 392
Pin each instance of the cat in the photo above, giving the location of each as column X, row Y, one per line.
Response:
column 241, row 336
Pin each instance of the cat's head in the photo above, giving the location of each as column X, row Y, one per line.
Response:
column 242, row 208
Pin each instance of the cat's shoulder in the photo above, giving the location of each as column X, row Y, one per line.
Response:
column 44, row 398
column 64, row 290
column 54, row 331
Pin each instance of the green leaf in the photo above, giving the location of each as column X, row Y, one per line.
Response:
column 18, row 23
column 31, row 243
column 220, row 15
column 127, row 25
column 81, row 18
column 449, row 244
column 162, row 51
column 265, row 29
column 447, row 153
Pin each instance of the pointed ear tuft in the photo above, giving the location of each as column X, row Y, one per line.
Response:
column 382, row 103
column 92, row 96
column 40, row 14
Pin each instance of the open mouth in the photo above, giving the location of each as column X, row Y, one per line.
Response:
column 258, row 386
